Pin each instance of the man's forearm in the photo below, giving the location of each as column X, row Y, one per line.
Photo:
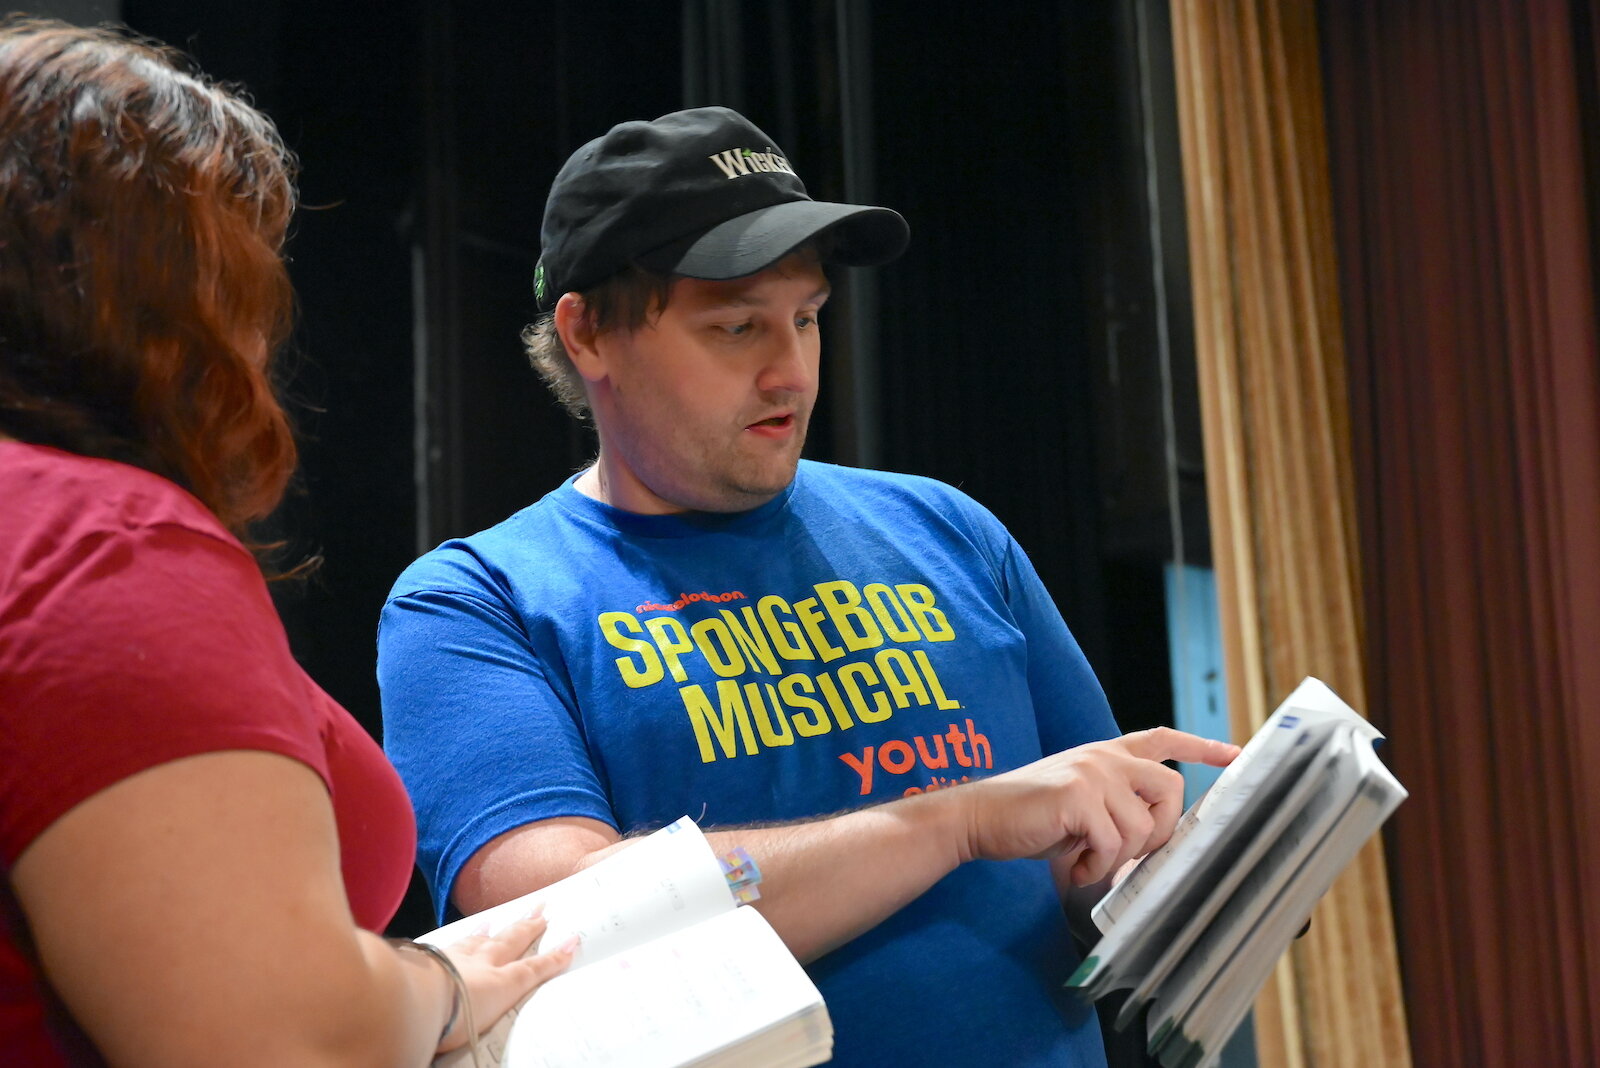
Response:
column 826, row 881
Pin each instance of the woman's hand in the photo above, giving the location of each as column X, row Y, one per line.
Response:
column 498, row 974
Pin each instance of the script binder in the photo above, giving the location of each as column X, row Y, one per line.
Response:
column 1194, row 930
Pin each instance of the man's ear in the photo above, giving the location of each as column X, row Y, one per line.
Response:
column 576, row 327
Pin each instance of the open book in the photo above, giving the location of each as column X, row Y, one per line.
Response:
column 1196, row 927
column 670, row 971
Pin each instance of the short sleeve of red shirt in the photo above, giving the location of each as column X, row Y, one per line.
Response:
column 134, row 630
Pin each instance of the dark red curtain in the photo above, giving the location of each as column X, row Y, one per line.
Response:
column 1462, row 137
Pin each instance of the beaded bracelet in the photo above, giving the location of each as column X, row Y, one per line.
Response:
column 460, row 1001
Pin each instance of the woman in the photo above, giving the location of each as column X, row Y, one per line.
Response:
column 197, row 841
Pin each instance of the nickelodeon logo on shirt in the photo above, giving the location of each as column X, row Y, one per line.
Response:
column 771, row 638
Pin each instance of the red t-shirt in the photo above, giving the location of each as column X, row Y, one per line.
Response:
column 135, row 630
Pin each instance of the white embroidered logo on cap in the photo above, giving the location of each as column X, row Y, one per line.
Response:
column 740, row 161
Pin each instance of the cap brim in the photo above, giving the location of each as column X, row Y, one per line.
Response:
column 861, row 236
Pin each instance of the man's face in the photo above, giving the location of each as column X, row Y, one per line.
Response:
column 705, row 408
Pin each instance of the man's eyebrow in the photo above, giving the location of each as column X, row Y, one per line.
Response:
column 822, row 293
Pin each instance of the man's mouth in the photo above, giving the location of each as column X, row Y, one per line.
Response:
column 776, row 422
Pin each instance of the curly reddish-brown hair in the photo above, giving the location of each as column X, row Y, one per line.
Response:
column 143, row 292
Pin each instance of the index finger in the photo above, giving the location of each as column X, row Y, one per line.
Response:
column 523, row 934
column 1165, row 743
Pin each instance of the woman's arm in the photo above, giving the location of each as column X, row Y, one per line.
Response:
column 194, row 913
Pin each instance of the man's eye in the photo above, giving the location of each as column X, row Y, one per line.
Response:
column 736, row 329
column 806, row 322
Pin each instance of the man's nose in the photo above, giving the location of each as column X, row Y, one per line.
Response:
column 791, row 361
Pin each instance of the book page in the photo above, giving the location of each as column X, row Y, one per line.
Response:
column 1222, row 1003
column 1278, row 871
column 678, row 1000
column 660, row 883
column 663, row 882
column 1184, row 892
column 1253, row 864
column 1304, row 719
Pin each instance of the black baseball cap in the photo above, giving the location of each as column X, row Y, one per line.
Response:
column 701, row 193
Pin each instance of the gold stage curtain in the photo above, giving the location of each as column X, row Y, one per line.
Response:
column 1278, row 465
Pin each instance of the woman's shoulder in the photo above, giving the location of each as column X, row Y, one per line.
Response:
column 69, row 495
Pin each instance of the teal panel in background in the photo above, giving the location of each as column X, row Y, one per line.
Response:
column 1200, row 706
column 1194, row 638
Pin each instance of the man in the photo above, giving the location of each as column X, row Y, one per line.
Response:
column 701, row 623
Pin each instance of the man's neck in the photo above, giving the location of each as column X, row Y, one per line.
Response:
column 599, row 482
column 591, row 484
column 606, row 486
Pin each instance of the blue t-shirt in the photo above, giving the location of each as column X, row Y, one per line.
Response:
column 860, row 637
